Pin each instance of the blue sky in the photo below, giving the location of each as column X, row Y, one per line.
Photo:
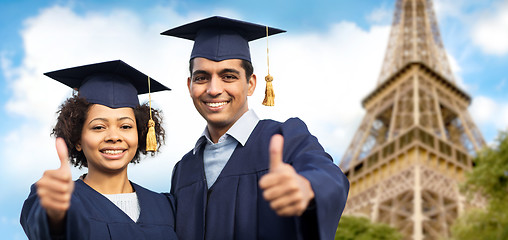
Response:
column 323, row 66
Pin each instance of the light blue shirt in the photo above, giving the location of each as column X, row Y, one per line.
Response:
column 216, row 155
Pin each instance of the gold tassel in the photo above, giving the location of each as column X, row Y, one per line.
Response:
column 269, row 94
column 151, row 140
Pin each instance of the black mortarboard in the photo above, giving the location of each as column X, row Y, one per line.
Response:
column 114, row 84
column 219, row 38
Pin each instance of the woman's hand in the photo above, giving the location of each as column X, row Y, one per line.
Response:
column 55, row 189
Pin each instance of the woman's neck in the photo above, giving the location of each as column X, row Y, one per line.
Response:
column 108, row 183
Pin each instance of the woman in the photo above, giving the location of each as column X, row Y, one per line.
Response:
column 102, row 128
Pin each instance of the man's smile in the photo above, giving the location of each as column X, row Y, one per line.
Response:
column 216, row 104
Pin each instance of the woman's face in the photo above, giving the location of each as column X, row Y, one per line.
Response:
column 109, row 138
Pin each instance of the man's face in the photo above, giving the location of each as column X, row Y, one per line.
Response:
column 219, row 91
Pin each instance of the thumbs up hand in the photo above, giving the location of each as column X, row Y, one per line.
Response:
column 288, row 192
column 55, row 187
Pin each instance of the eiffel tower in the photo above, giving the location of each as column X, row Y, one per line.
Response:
column 417, row 138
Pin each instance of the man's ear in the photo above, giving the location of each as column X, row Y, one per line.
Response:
column 252, row 84
column 188, row 83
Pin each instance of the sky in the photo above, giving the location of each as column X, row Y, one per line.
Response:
column 325, row 64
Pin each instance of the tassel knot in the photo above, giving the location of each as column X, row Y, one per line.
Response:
column 269, row 94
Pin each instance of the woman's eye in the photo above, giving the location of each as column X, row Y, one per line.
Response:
column 97, row 127
column 126, row 127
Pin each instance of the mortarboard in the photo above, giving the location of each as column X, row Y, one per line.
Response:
column 219, row 38
column 114, row 84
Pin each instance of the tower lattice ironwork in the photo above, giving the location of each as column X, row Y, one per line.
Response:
column 417, row 138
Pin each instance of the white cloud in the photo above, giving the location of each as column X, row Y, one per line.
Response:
column 319, row 77
column 483, row 108
column 454, row 65
column 490, row 32
column 486, row 111
column 456, row 71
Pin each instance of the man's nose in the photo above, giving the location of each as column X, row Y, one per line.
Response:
column 215, row 86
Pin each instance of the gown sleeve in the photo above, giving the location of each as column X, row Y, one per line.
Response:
column 303, row 151
column 34, row 220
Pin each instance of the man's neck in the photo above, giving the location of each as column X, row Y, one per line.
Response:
column 217, row 131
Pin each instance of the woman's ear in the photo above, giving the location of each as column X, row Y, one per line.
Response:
column 78, row 146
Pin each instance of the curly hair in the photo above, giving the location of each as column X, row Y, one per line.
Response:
column 71, row 118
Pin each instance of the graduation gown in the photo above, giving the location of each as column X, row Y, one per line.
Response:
column 93, row 216
column 234, row 207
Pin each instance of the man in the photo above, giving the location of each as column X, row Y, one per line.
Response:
column 248, row 178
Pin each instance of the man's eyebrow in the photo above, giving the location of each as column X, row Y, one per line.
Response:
column 200, row 72
column 229, row 70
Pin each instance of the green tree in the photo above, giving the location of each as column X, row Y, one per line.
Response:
column 489, row 178
column 360, row 228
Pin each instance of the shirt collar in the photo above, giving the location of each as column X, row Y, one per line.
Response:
column 244, row 126
column 241, row 130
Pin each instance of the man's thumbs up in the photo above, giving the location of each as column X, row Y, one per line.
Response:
column 276, row 147
column 287, row 191
column 55, row 187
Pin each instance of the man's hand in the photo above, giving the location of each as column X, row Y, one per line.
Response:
column 56, row 186
column 287, row 191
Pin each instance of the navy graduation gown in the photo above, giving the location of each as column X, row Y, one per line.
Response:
column 234, row 208
column 93, row 216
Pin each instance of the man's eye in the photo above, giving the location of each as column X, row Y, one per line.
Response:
column 199, row 79
column 229, row 77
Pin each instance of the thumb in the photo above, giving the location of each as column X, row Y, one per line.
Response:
column 276, row 147
column 63, row 153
